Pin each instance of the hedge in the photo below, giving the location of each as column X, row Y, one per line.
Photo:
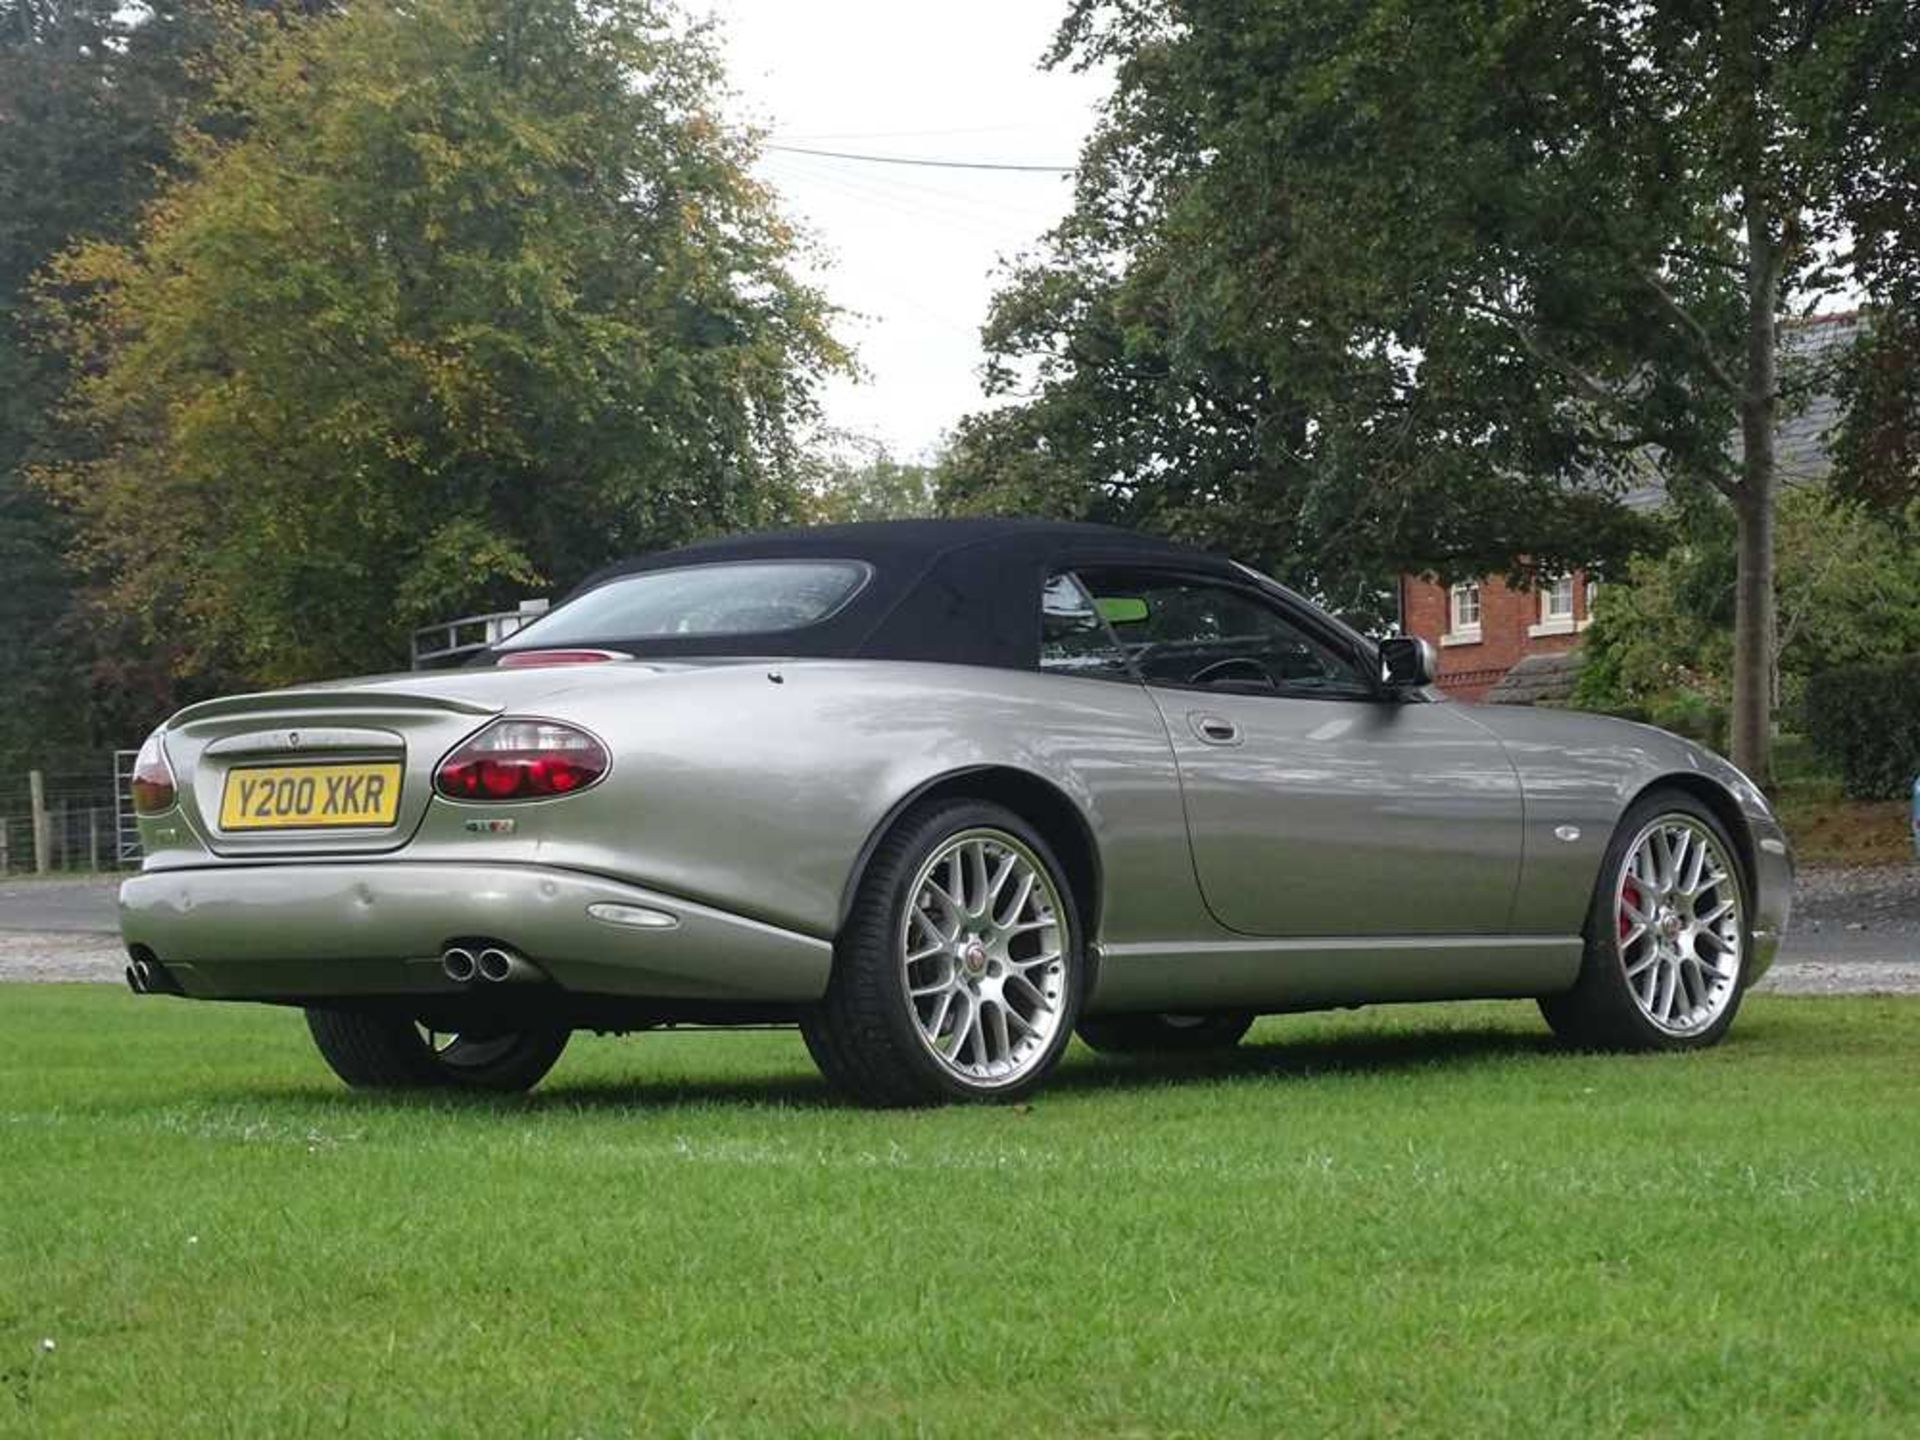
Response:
column 1865, row 720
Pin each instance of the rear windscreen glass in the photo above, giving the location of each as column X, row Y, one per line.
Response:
column 752, row 597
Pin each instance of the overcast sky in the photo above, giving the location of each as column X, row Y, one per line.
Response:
column 913, row 251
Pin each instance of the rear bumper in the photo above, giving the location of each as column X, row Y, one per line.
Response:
column 316, row 931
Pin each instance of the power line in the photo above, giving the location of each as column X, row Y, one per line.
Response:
column 804, row 172
column 932, row 164
column 814, row 137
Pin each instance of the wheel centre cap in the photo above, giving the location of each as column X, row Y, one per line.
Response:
column 973, row 956
column 1670, row 924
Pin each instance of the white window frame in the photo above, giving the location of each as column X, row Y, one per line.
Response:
column 1554, row 620
column 1461, row 631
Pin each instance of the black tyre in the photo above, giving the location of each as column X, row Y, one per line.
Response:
column 378, row 1052
column 1165, row 1034
column 958, row 974
column 1667, row 934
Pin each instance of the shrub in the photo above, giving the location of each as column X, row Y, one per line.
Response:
column 1692, row 714
column 1865, row 719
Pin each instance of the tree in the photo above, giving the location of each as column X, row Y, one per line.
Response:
column 1427, row 284
column 1846, row 587
column 870, row 485
column 468, row 297
column 91, row 95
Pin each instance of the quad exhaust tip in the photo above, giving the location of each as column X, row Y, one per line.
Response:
column 147, row 976
column 495, row 964
column 459, row 964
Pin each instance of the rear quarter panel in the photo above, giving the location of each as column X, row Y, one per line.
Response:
column 759, row 794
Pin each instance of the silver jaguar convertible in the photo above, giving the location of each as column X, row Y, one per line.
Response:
column 942, row 794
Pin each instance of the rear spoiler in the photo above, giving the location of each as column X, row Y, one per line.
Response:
column 290, row 704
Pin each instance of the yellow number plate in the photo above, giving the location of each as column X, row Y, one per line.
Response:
column 271, row 797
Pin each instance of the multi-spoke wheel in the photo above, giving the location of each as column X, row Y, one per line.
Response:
column 958, row 972
column 982, row 946
column 1679, row 923
column 392, row 1053
column 1666, row 936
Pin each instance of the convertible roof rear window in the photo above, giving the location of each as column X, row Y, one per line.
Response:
column 750, row 597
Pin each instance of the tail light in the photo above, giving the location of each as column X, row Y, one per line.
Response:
column 522, row 760
column 153, row 787
column 533, row 659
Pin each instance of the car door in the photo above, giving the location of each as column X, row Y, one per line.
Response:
column 1317, row 804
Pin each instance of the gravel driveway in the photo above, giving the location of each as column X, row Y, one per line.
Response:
column 1856, row 930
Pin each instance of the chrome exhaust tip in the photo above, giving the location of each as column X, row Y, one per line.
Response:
column 135, row 981
column 459, row 964
column 497, row 964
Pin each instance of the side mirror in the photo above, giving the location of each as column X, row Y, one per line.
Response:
column 1407, row 662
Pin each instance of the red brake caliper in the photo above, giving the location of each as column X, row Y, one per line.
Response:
column 1629, row 895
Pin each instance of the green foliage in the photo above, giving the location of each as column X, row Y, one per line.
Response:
column 1426, row 284
column 467, row 297
column 1661, row 644
column 875, row 487
column 91, row 95
column 1847, row 587
column 1878, row 449
column 1878, row 446
column 1865, row 720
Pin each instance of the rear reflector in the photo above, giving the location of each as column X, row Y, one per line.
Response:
column 531, row 659
column 522, row 760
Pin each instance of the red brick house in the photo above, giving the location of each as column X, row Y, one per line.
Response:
column 1482, row 628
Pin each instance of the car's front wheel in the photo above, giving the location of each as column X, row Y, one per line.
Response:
column 959, row 970
column 382, row 1052
column 1667, row 934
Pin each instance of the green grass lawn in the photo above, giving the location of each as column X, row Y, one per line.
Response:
column 1424, row 1221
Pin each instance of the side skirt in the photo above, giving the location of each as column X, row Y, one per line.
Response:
column 1303, row 974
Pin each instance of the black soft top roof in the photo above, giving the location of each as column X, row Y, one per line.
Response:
column 958, row 591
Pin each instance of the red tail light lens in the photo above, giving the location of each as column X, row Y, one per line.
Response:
column 522, row 760
column 153, row 788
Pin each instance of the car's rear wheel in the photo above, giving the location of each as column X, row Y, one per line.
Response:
column 1667, row 934
column 958, row 973
column 381, row 1052
column 1165, row 1034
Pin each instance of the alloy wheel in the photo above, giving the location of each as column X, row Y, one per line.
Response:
column 1681, row 930
column 984, row 946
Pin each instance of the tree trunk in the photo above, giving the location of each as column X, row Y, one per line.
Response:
column 1753, row 621
column 1753, row 615
column 1753, row 612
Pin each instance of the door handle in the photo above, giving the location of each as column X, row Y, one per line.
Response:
column 1214, row 729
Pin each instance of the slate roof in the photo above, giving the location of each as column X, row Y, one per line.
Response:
column 1811, row 352
column 1538, row 680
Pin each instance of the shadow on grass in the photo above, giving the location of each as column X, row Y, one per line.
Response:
column 1367, row 1053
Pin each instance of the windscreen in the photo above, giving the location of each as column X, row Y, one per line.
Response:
column 751, row 597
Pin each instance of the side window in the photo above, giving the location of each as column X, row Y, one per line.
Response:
column 1074, row 640
column 1194, row 632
